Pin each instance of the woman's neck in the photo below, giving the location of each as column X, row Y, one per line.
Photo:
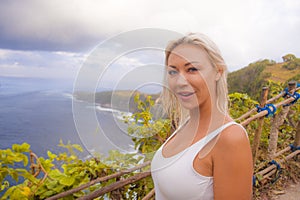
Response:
column 207, row 118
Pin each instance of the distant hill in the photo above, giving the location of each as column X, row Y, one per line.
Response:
column 121, row 100
column 253, row 77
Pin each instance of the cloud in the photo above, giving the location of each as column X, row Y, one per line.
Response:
column 245, row 31
column 123, row 71
column 4, row 53
column 39, row 63
column 73, row 25
column 69, row 25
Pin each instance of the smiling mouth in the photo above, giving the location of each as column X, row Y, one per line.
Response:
column 185, row 94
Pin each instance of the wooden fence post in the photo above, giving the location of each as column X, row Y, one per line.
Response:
column 260, row 121
column 297, row 137
column 276, row 123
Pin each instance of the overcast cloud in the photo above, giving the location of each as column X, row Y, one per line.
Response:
column 58, row 34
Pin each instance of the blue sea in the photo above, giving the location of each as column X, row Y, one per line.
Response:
column 39, row 111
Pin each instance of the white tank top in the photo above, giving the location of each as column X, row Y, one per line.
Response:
column 175, row 177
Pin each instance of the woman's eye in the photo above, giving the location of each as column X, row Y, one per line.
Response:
column 172, row 72
column 192, row 69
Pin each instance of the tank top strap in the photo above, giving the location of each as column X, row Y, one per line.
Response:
column 201, row 143
column 218, row 131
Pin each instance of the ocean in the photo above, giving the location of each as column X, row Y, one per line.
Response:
column 39, row 111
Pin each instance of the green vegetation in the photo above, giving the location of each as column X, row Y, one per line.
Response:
column 256, row 75
column 249, row 79
column 292, row 62
column 288, row 57
column 148, row 133
column 57, row 173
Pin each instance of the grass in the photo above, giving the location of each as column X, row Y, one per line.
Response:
column 279, row 73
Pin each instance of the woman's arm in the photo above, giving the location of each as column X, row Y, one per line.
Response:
column 232, row 165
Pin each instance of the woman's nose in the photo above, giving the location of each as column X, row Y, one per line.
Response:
column 181, row 80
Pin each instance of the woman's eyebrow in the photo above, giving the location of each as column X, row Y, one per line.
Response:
column 185, row 65
column 174, row 67
column 190, row 63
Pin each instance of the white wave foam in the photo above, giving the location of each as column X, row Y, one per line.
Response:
column 68, row 95
column 119, row 114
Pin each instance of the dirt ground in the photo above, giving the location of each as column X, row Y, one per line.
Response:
column 290, row 193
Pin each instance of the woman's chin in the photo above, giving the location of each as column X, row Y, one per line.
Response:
column 189, row 106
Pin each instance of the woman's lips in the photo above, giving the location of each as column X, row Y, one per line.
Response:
column 185, row 95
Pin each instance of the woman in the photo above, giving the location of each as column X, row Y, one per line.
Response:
column 208, row 156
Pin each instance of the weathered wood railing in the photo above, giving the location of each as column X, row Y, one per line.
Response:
column 244, row 120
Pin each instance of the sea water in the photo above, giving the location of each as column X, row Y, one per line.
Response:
column 39, row 111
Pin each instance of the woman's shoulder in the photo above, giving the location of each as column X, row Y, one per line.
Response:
column 232, row 146
column 232, row 136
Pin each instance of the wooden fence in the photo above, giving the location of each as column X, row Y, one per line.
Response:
column 265, row 108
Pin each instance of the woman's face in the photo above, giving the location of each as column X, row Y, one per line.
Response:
column 191, row 76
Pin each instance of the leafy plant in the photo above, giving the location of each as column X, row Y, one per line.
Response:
column 148, row 134
column 47, row 177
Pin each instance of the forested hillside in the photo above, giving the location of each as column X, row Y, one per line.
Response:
column 253, row 77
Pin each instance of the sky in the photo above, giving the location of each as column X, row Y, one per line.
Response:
column 53, row 38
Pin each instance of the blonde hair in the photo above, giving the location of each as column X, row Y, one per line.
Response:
column 172, row 107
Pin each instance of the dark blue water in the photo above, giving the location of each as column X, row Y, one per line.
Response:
column 39, row 112
column 36, row 111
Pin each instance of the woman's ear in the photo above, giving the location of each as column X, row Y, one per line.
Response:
column 218, row 75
